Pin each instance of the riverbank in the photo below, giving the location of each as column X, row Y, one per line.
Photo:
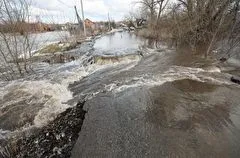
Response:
column 130, row 97
column 54, row 140
column 42, row 107
column 60, row 52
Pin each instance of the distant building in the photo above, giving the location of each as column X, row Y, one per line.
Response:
column 22, row 27
column 90, row 24
column 73, row 28
column 39, row 27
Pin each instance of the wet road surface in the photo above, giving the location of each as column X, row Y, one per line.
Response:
column 183, row 118
column 166, row 105
column 142, row 100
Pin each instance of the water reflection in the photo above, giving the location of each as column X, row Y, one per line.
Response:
column 194, row 119
column 120, row 41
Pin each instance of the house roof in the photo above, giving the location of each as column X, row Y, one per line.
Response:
column 89, row 21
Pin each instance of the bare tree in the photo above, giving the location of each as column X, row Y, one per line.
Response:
column 149, row 7
column 199, row 24
column 203, row 22
column 162, row 5
column 16, row 45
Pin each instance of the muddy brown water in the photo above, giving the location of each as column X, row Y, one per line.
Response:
column 168, row 105
column 184, row 118
column 141, row 101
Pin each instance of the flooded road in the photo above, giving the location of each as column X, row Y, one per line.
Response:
column 167, row 105
column 171, row 120
column 37, row 99
column 141, row 101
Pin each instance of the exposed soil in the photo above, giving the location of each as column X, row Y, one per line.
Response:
column 54, row 140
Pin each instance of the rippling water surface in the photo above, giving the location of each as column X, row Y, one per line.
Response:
column 141, row 101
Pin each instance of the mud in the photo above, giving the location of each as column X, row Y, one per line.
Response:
column 54, row 140
column 141, row 101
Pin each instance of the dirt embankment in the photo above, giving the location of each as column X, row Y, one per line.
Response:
column 54, row 140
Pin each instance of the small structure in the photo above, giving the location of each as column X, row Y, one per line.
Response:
column 39, row 27
column 90, row 24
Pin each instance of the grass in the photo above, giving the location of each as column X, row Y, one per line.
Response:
column 56, row 47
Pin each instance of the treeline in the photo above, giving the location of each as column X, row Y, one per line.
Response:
column 23, row 27
column 192, row 23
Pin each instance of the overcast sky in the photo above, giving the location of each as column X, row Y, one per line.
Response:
column 61, row 11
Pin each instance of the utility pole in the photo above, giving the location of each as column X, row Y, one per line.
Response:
column 84, row 27
column 78, row 18
column 109, row 23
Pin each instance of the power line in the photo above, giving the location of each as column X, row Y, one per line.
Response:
column 65, row 4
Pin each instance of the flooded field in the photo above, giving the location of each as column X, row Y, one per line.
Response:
column 141, row 101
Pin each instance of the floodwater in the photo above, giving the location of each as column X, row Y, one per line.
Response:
column 167, row 105
column 37, row 40
column 43, row 39
column 118, row 44
column 141, row 101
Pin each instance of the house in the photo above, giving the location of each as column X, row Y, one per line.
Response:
column 89, row 24
column 39, row 27
column 22, row 27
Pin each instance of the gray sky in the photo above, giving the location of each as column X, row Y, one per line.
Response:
column 61, row 11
